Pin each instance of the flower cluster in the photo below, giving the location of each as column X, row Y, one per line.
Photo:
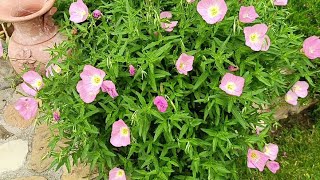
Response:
column 258, row 159
column 299, row 89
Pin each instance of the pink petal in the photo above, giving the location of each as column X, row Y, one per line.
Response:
column 161, row 103
column 247, row 14
column 280, row 2
column 166, row 14
column 184, row 64
column 114, row 174
column 190, row 1
column 28, row 90
column 88, row 73
column 301, row 89
column 27, row 107
column 117, row 139
column 260, row 30
column 110, row 88
column 311, row 47
column 78, row 12
column 86, row 94
column 266, row 43
column 236, row 82
column 260, row 160
column 291, row 98
column 271, row 150
column 273, row 166
column 32, row 77
column 204, row 7
column 132, row 70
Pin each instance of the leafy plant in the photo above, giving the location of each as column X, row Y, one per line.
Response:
column 204, row 129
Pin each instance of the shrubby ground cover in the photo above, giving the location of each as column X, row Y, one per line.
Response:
column 162, row 90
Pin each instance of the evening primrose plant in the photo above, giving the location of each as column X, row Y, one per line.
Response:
column 166, row 90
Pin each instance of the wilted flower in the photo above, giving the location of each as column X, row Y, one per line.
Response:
column 161, row 103
column 301, row 88
column 232, row 84
column 273, row 166
column 132, row 70
column 233, row 68
column 255, row 36
column 247, row 14
column 78, row 12
column 212, row 11
column 256, row 159
column 27, row 107
column 117, row 174
column 32, row 83
column 260, row 127
column 120, row 135
column 110, row 88
column 56, row 115
column 280, row 2
column 97, row 14
column 167, row 26
column 184, row 63
column 271, row 150
column 266, row 43
column 291, row 98
column 56, row 69
column 311, row 47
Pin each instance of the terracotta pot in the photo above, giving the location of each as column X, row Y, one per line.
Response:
column 34, row 32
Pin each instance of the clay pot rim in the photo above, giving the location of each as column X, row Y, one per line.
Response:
column 47, row 6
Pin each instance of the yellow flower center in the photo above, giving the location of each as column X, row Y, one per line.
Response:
column 38, row 84
column 214, row 11
column 96, row 80
column 254, row 37
column 311, row 50
column 120, row 173
column 124, row 131
column 254, row 156
column 182, row 65
column 296, row 88
column 231, row 86
column 288, row 98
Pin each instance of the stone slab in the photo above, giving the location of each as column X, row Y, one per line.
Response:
column 13, row 155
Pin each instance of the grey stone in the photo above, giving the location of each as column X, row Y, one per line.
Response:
column 4, row 134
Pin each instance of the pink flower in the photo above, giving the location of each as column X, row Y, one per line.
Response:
column 190, row 1
column 256, row 159
column 78, row 12
column 266, row 43
column 32, row 83
column 56, row 115
column 301, row 88
column 232, row 84
column 1, row 49
column 91, row 82
column 88, row 95
column 212, row 11
column 92, row 77
column 273, row 166
column 110, row 88
column 184, row 63
column 255, row 36
column 247, row 14
column 271, row 150
column 233, row 68
column 280, row 2
column 291, row 98
column 97, row 14
column 132, row 70
column 49, row 71
column 120, row 135
column 311, row 47
column 27, row 107
column 167, row 26
column 117, row 174
column 161, row 103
